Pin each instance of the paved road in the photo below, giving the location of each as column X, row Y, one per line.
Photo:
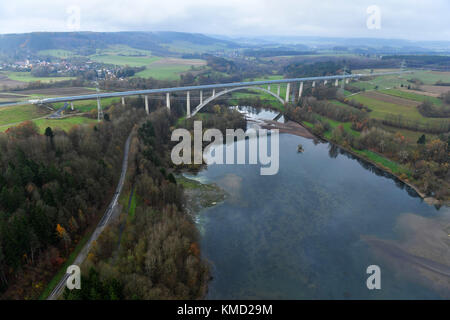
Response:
column 58, row 113
column 101, row 225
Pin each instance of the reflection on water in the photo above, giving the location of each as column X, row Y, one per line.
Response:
column 303, row 233
column 257, row 116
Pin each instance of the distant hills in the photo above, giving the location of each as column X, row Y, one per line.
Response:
column 167, row 43
column 85, row 43
column 357, row 45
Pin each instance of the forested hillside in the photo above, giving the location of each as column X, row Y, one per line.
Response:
column 86, row 43
column 152, row 252
column 53, row 188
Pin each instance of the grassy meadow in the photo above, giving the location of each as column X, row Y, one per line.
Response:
column 27, row 77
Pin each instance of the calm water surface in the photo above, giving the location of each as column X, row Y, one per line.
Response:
column 305, row 232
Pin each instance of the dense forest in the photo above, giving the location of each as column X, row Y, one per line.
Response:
column 86, row 43
column 152, row 251
column 315, row 69
column 53, row 188
column 434, row 61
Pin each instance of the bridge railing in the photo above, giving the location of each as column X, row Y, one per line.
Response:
column 205, row 87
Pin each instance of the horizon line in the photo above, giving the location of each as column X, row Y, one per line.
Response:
column 229, row 36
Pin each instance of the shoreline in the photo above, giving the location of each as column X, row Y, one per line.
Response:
column 199, row 195
column 296, row 128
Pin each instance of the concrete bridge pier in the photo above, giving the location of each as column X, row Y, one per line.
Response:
column 123, row 101
column 214, row 92
column 325, row 82
column 346, row 81
column 201, row 96
column 168, row 100
column 287, row 92
column 146, row 104
column 293, row 93
column 188, row 104
column 300, row 90
column 71, row 106
column 278, row 90
column 99, row 110
column 268, row 87
column 336, row 83
column 314, row 84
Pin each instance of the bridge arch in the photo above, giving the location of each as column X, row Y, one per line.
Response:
column 204, row 103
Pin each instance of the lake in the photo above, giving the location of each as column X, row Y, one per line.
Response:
column 311, row 231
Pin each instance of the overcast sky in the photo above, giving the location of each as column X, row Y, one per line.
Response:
column 407, row 19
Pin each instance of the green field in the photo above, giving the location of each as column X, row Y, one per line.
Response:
column 122, row 50
column 378, row 159
column 380, row 109
column 412, row 96
column 270, row 77
column 88, row 105
column 429, row 77
column 391, row 81
column 381, row 82
column 346, row 125
column 16, row 114
column 132, row 61
column 10, row 116
column 27, row 77
column 63, row 124
column 180, row 46
column 163, row 72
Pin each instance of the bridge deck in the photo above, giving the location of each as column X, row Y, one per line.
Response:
column 203, row 87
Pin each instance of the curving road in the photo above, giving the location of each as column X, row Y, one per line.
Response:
column 101, row 225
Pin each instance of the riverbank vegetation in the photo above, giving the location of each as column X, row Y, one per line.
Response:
column 423, row 163
column 219, row 117
column 153, row 254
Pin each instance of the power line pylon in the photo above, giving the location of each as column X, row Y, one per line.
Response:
column 403, row 64
column 99, row 105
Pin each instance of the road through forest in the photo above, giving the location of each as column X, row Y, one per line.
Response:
column 101, row 225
